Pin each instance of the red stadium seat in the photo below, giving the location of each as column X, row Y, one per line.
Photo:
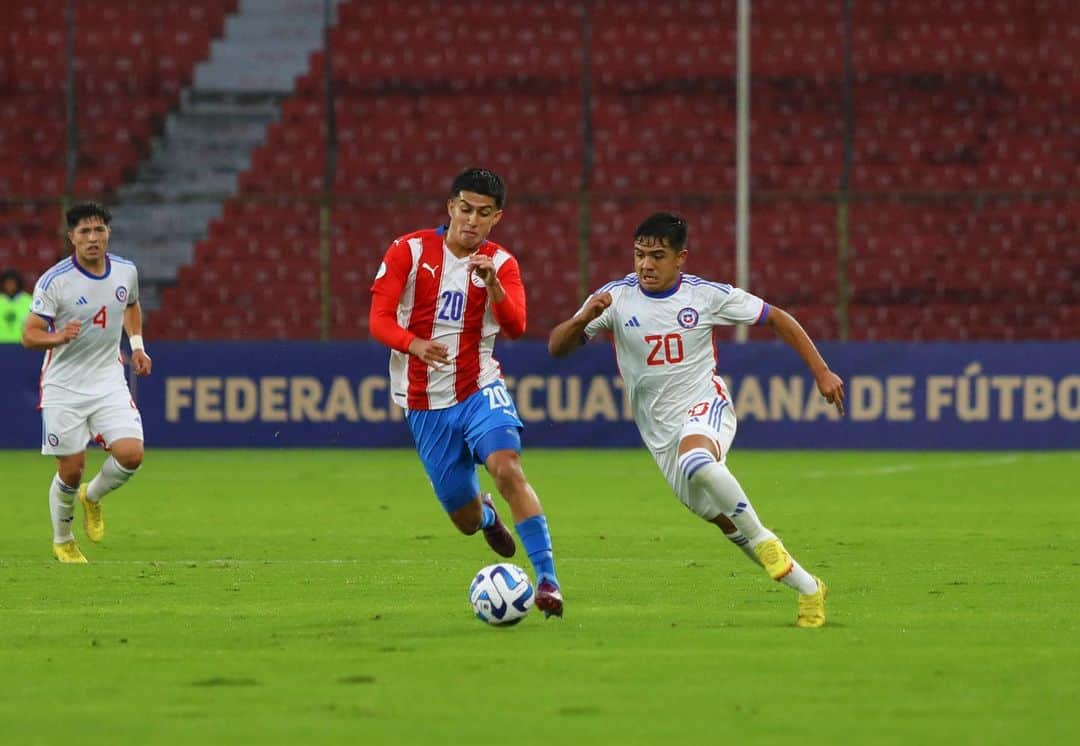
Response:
column 954, row 106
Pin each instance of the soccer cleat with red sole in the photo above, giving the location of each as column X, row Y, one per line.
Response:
column 498, row 537
column 549, row 599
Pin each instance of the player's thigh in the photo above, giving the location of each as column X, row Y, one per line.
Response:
column 490, row 422
column 65, row 431
column 712, row 417
column 116, row 418
column 446, row 457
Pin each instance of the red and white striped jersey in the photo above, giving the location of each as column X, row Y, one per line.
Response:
column 423, row 290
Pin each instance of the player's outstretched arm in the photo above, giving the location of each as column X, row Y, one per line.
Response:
column 569, row 335
column 36, row 334
column 790, row 330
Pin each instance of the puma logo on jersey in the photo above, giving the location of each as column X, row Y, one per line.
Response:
column 429, row 268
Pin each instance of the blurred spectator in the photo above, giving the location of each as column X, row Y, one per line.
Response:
column 14, row 306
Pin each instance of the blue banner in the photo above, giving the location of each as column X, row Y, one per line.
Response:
column 1023, row 395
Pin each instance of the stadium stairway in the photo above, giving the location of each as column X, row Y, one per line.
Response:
column 179, row 189
column 396, row 110
column 662, row 122
column 266, row 45
column 132, row 61
column 209, row 139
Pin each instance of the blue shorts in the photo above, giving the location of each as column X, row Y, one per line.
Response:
column 452, row 441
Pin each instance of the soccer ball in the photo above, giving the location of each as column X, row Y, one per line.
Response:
column 501, row 594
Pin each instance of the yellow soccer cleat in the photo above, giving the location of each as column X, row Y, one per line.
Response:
column 93, row 521
column 774, row 558
column 812, row 607
column 68, row 553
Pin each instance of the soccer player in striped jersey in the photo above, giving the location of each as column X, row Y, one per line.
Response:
column 79, row 309
column 662, row 321
column 439, row 298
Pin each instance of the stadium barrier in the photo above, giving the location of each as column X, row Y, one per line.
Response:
column 1019, row 396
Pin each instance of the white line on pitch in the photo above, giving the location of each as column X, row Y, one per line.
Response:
column 909, row 467
column 374, row 560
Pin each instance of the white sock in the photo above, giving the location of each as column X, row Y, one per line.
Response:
column 800, row 579
column 743, row 544
column 111, row 476
column 61, row 509
column 720, row 485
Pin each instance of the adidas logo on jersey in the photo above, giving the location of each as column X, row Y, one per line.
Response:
column 632, row 322
column 82, row 301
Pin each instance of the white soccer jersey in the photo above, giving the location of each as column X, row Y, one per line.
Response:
column 90, row 364
column 664, row 346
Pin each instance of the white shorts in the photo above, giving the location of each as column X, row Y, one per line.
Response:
column 67, row 428
column 713, row 417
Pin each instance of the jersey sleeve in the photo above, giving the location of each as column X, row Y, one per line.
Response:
column 510, row 311
column 133, row 291
column 45, row 303
column 737, row 306
column 386, row 295
column 603, row 322
column 394, row 271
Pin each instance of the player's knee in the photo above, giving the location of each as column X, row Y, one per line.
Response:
column 131, row 460
column 128, row 453
column 693, row 461
column 507, row 472
column 71, row 475
column 71, row 468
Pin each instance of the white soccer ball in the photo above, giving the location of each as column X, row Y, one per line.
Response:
column 501, row 594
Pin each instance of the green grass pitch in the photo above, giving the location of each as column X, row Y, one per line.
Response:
column 319, row 597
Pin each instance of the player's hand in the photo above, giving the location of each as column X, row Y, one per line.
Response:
column 832, row 388
column 596, row 306
column 433, row 353
column 141, row 362
column 484, row 268
column 70, row 331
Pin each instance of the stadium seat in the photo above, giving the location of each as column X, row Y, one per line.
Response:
column 964, row 150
